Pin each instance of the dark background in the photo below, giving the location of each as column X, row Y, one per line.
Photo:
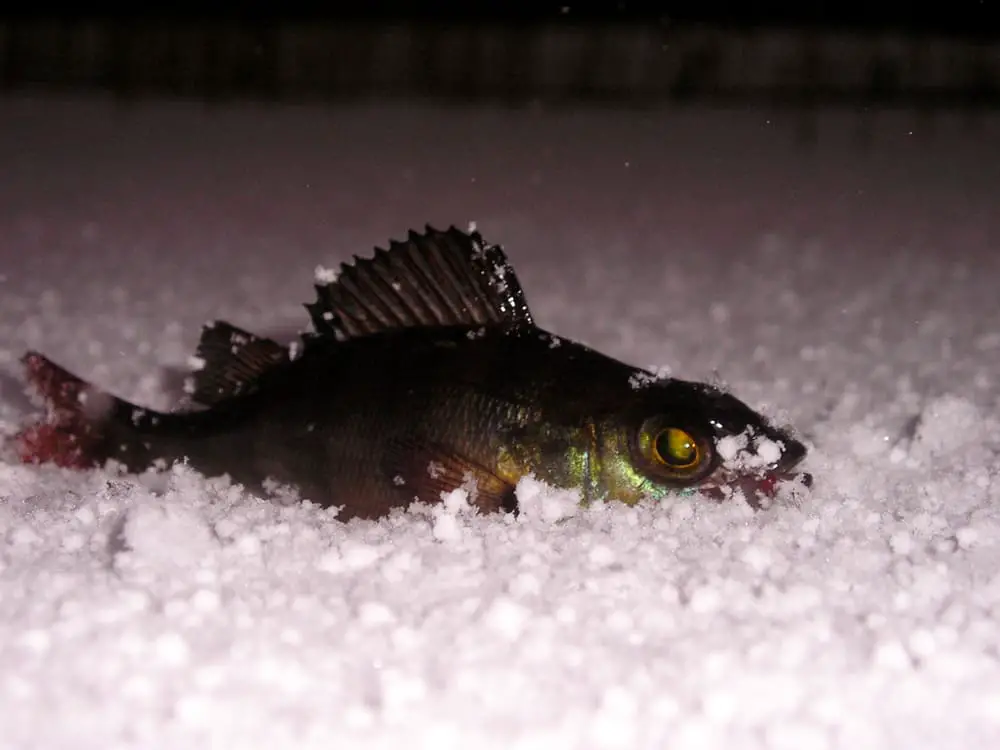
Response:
column 970, row 17
column 920, row 55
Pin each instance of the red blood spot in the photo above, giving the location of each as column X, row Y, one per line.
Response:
column 767, row 484
column 45, row 443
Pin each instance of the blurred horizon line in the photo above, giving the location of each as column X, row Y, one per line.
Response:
column 625, row 63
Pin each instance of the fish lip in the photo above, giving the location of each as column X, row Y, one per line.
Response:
column 793, row 454
column 764, row 484
column 756, row 488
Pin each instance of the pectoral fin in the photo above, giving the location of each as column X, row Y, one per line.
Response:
column 427, row 470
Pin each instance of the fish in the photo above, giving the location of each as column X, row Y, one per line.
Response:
column 422, row 372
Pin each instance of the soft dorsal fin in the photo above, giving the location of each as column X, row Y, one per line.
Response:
column 232, row 361
column 431, row 279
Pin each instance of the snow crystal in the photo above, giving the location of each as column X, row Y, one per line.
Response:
column 901, row 543
column 507, row 618
column 356, row 555
column 447, row 524
column 375, row 613
column 967, row 537
column 768, row 451
column 171, row 650
column 729, row 447
column 536, row 500
column 324, row 275
column 165, row 535
column 447, row 528
column 746, row 451
column 602, row 555
column 943, row 420
column 653, row 374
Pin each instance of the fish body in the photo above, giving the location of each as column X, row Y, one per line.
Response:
column 424, row 372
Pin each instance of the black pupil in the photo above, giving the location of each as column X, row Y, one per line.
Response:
column 675, row 447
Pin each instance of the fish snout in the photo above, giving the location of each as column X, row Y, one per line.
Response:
column 792, row 455
column 755, row 486
column 784, row 471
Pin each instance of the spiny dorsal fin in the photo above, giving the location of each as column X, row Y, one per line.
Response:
column 232, row 361
column 431, row 279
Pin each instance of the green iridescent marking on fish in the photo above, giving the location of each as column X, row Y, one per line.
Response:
column 577, row 468
column 618, row 475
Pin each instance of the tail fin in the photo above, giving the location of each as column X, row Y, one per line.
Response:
column 81, row 426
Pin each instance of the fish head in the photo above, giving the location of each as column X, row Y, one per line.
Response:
column 683, row 436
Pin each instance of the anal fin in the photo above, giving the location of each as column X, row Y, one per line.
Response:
column 427, row 470
column 232, row 361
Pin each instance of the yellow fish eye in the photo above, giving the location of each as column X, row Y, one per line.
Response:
column 676, row 449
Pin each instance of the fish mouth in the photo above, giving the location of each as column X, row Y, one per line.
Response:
column 760, row 488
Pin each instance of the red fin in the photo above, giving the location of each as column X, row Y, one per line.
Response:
column 70, row 436
column 426, row 470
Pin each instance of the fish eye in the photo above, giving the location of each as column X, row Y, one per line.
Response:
column 676, row 449
column 674, row 455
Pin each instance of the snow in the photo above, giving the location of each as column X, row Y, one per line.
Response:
column 747, row 453
column 848, row 288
